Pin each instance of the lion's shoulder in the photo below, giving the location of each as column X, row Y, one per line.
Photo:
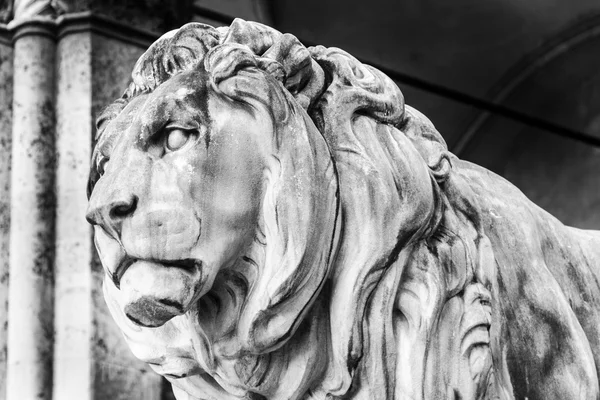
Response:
column 543, row 275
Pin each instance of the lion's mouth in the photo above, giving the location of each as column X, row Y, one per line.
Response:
column 156, row 291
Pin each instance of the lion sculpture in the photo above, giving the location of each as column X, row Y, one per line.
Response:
column 275, row 223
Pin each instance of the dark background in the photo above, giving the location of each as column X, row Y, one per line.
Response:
column 512, row 85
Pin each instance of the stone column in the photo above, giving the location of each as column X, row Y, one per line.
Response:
column 73, row 322
column 6, row 68
column 32, row 209
column 62, row 344
column 95, row 56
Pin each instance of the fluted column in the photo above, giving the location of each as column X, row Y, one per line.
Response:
column 32, row 212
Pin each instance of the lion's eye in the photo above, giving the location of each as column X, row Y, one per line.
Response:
column 101, row 164
column 176, row 139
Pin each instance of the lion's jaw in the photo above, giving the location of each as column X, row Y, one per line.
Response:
column 153, row 290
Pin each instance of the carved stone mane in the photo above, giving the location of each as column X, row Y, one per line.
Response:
column 276, row 223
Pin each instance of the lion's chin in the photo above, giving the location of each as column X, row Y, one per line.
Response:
column 153, row 293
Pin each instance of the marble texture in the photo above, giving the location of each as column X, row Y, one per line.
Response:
column 275, row 223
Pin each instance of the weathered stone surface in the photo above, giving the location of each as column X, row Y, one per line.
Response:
column 24, row 10
column 112, row 61
column 274, row 222
column 32, row 213
column 73, row 362
column 6, row 80
column 151, row 15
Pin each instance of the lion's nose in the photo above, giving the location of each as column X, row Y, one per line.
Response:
column 121, row 209
column 110, row 213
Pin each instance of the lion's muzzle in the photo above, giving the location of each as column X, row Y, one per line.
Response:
column 161, row 234
column 154, row 292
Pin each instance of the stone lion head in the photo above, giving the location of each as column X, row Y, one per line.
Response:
column 251, row 199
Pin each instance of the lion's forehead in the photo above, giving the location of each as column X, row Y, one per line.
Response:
column 119, row 125
column 148, row 113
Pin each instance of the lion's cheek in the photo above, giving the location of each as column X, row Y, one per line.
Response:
column 153, row 293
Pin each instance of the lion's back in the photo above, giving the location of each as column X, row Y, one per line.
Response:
column 547, row 282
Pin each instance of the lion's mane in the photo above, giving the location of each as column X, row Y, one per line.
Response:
column 363, row 279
